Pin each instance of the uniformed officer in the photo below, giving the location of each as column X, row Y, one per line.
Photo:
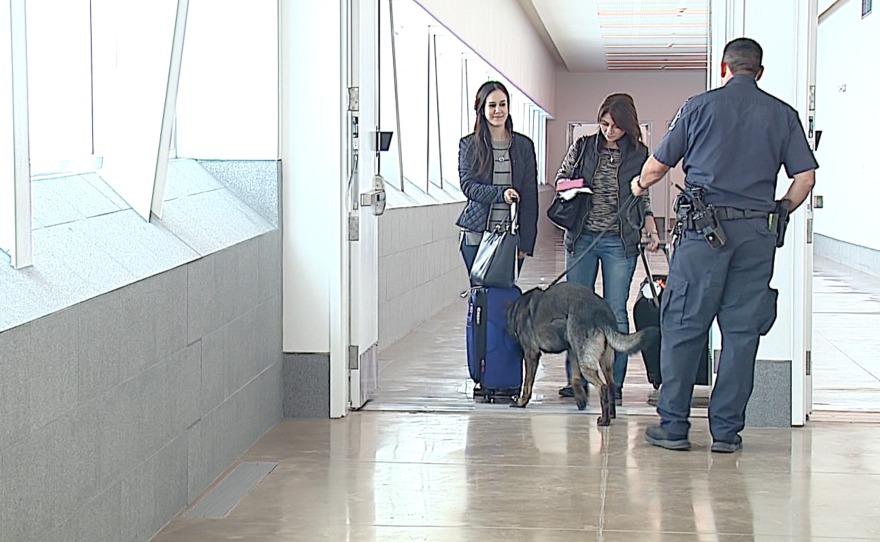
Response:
column 733, row 141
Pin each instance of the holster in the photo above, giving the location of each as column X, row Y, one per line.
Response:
column 778, row 221
column 693, row 214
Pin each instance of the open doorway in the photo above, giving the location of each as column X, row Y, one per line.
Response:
column 846, row 278
column 425, row 368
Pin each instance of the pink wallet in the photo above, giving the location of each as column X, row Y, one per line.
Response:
column 568, row 184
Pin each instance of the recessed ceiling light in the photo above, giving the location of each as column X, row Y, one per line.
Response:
column 656, row 36
column 656, row 68
column 654, row 54
column 648, row 61
column 657, row 46
column 673, row 25
column 643, row 13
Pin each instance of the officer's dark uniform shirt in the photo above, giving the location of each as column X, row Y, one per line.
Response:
column 733, row 140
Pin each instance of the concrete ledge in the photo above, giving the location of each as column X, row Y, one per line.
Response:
column 855, row 256
column 770, row 405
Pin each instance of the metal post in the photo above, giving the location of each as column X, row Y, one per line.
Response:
column 437, row 103
column 428, row 126
column 396, row 94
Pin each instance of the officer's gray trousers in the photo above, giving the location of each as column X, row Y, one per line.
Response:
column 732, row 283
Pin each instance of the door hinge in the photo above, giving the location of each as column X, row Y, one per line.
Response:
column 354, row 227
column 353, row 357
column 354, row 98
column 809, row 363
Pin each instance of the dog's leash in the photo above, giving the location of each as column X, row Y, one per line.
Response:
column 627, row 208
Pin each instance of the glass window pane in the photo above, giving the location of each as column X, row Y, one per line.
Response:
column 227, row 106
column 59, row 80
column 133, row 86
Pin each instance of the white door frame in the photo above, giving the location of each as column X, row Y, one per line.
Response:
column 791, row 337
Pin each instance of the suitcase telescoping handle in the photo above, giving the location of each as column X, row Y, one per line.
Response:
column 655, row 298
column 514, row 217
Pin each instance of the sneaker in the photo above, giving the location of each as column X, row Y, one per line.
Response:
column 658, row 436
column 722, row 447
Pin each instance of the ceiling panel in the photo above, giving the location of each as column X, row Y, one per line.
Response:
column 598, row 35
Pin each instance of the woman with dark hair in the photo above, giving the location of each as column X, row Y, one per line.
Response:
column 496, row 166
column 608, row 161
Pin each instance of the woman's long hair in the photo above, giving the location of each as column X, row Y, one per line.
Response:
column 622, row 109
column 483, row 157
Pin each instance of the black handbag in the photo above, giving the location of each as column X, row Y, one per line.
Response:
column 564, row 213
column 495, row 264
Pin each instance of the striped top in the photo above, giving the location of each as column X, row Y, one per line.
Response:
column 501, row 177
column 500, row 211
column 606, row 192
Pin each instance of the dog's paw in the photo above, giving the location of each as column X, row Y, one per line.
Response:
column 581, row 403
column 519, row 403
column 603, row 422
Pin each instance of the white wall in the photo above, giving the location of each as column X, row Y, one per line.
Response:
column 658, row 97
column 847, row 177
column 515, row 50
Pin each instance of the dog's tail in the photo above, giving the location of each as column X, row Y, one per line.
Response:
column 628, row 343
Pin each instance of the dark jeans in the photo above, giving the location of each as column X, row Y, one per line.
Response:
column 617, row 273
column 732, row 283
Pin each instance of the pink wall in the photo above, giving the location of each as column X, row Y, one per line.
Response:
column 658, row 96
column 502, row 34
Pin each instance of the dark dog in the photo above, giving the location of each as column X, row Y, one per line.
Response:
column 570, row 317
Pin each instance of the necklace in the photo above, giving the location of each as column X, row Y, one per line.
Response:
column 505, row 157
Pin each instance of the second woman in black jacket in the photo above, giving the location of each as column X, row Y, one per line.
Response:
column 496, row 166
column 607, row 162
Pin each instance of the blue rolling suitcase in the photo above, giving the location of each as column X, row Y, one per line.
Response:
column 495, row 360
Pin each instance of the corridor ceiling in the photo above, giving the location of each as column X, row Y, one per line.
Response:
column 599, row 35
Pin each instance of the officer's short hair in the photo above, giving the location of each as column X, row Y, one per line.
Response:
column 743, row 56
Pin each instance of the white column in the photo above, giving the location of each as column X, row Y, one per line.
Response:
column 786, row 30
column 312, row 104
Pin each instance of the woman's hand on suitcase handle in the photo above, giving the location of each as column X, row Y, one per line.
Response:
column 652, row 241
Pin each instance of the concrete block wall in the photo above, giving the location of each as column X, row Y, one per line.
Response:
column 856, row 256
column 119, row 411
column 420, row 268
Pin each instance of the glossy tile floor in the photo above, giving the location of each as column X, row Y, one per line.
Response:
column 423, row 462
column 427, row 371
column 846, row 351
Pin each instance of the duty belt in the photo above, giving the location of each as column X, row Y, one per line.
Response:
column 729, row 213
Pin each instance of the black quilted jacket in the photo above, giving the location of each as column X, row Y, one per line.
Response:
column 582, row 161
column 481, row 193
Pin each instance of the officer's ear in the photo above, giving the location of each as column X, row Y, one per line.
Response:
column 724, row 69
column 760, row 73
